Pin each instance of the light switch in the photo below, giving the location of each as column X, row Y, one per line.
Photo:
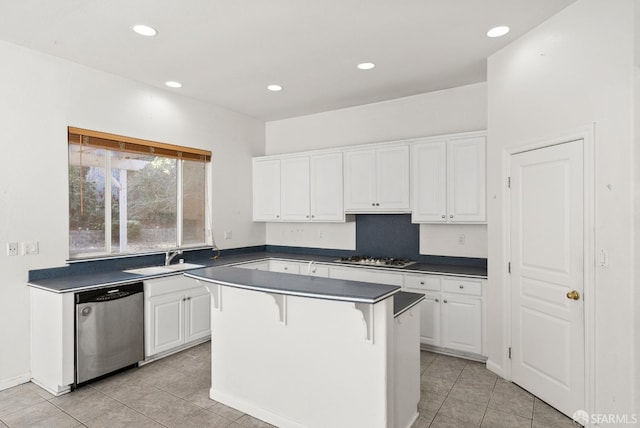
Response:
column 30, row 248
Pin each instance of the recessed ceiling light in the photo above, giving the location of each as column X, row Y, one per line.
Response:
column 366, row 66
column 274, row 88
column 144, row 30
column 498, row 31
column 173, row 84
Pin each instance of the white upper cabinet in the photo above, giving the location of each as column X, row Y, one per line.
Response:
column 377, row 179
column 294, row 189
column 326, row 187
column 266, row 189
column 305, row 188
column 466, row 180
column 429, row 182
column 449, row 180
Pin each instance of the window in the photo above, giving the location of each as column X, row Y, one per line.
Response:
column 134, row 196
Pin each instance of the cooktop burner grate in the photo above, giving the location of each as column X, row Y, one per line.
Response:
column 376, row 261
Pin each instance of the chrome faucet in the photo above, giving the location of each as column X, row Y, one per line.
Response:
column 170, row 255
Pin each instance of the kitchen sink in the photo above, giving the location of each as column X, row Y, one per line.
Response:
column 159, row 270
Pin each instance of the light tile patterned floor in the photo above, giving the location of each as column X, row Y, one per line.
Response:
column 173, row 392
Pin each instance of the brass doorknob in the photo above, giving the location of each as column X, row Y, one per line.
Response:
column 573, row 295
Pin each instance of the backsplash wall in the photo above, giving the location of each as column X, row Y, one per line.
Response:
column 387, row 235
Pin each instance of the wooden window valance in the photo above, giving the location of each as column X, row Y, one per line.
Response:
column 86, row 137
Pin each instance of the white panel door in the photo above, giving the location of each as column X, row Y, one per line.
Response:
column 360, row 180
column 462, row 323
column 547, row 258
column 198, row 314
column 266, row 190
column 294, row 189
column 466, row 181
column 393, row 178
column 166, row 317
column 327, row 200
column 429, row 198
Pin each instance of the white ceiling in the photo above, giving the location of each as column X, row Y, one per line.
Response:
column 226, row 52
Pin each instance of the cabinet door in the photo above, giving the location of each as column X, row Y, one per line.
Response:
column 466, row 179
column 294, row 186
column 165, row 323
column 198, row 314
column 327, row 201
column 429, row 197
column 360, row 180
column 392, row 176
column 462, row 323
column 266, row 190
column 429, row 317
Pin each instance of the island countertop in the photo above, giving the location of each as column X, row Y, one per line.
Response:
column 295, row 285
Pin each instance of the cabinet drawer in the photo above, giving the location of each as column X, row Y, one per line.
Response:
column 464, row 286
column 285, row 267
column 169, row 284
column 422, row 282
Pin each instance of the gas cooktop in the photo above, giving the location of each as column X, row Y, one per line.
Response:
column 376, row 261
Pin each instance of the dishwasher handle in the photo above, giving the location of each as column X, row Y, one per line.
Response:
column 108, row 294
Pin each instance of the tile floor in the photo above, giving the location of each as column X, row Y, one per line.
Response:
column 173, row 392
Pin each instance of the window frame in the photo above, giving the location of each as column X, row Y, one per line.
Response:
column 112, row 143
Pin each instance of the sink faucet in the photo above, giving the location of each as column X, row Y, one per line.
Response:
column 170, row 255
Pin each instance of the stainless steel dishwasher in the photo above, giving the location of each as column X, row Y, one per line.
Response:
column 109, row 330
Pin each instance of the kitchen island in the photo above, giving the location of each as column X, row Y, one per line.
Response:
column 302, row 351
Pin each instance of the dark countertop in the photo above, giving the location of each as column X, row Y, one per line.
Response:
column 295, row 285
column 404, row 300
column 92, row 280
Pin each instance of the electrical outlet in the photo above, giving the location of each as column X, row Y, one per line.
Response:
column 461, row 239
column 12, row 249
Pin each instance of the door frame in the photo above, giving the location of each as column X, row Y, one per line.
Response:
column 587, row 135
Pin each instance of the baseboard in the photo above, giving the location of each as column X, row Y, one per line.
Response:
column 173, row 351
column 495, row 368
column 253, row 410
column 453, row 353
column 15, row 381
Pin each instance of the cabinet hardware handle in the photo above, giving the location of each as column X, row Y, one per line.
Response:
column 373, row 204
column 313, row 216
column 307, row 216
column 444, row 301
column 277, row 216
column 437, row 300
column 421, row 282
column 461, row 286
column 444, row 216
column 451, row 216
column 377, row 204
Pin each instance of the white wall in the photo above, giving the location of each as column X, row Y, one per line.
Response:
column 435, row 113
column 41, row 96
column 574, row 70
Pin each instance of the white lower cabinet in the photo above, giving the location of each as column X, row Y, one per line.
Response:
column 461, row 323
column 177, row 312
column 452, row 314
